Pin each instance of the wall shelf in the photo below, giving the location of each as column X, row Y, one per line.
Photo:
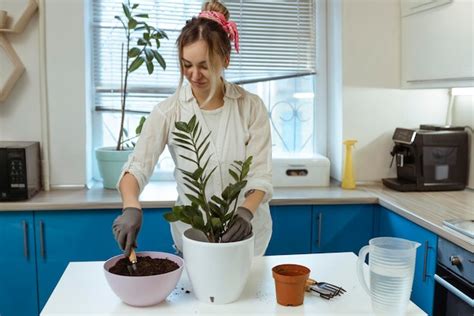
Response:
column 21, row 22
column 16, row 71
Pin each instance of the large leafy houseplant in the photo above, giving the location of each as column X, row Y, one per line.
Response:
column 214, row 216
column 144, row 52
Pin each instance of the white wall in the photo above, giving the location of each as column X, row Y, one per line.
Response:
column 372, row 102
column 20, row 115
column 463, row 115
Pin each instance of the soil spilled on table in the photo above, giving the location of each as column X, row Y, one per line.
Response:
column 145, row 266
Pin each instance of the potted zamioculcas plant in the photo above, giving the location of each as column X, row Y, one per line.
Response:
column 218, row 271
column 140, row 47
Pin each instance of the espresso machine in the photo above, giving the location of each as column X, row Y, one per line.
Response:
column 431, row 158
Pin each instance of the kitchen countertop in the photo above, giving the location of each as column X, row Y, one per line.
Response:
column 83, row 290
column 427, row 209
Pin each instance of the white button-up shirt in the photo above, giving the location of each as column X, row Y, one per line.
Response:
column 243, row 131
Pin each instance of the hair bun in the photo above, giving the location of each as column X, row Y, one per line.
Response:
column 217, row 6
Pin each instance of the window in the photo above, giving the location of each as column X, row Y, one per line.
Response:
column 277, row 61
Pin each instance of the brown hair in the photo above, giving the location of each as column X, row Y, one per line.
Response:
column 213, row 34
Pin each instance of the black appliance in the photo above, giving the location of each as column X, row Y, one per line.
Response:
column 431, row 158
column 454, row 289
column 20, row 176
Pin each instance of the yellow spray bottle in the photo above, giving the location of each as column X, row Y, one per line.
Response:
column 348, row 181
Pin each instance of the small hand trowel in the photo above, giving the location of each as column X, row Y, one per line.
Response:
column 132, row 268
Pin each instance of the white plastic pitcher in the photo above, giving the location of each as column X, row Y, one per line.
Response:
column 391, row 266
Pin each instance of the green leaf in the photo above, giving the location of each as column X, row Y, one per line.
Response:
column 228, row 217
column 209, row 176
column 207, row 161
column 146, row 36
column 132, row 23
column 140, row 28
column 157, row 43
column 185, row 147
column 189, row 159
column 139, row 128
column 191, row 188
column 198, row 222
column 204, row 151
column 225, row 193
column 170, row 217
column 159, row 59
column 202, row 143
column 135, row 6
column 214, row 208
column 187, row 173
column 216, row 223
column 142, row 15
column 218, row 200
column 120, row 19
column 136, row 64
column 193, row 182
column 141, row 42
column 192, row 123
column 194, row 199
column 134, row 52
column 181, row 135
column 181, row 126
column 197, row 173
column 149, row 67
column 199, row 134
column 182, row 141
column 162, row 34
column 234, row 175
column 126, row 10
column 148, row 54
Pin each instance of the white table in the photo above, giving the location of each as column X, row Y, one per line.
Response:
column 83, row 290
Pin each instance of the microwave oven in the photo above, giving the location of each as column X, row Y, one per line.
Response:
column 20, row 172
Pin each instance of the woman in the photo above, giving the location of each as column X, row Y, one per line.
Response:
column 239, row 127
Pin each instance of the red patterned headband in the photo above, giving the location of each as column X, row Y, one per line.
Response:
column 229, row 26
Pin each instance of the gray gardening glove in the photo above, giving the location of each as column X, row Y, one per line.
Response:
column 241, row 227
column 126, row 228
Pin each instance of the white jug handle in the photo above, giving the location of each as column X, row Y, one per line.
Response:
column 360, row 268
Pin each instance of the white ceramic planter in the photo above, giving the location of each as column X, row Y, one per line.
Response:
column 110, row 162
column 218, row 271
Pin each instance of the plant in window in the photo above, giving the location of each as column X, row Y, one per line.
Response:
column 219, row 210
column 145, row 52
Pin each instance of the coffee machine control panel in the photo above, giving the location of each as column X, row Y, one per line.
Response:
column 404, row 135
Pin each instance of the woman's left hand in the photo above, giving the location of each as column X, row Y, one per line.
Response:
column 241, row 227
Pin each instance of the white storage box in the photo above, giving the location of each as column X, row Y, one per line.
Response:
column 301, row 172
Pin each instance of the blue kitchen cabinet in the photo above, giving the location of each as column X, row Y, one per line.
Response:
column 291, row 230
column 340, row 228
column 86, row 235
column 17, row 265
column 155, row 234
column 394, row 225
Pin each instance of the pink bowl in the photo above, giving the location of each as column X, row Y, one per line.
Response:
column 144, row 290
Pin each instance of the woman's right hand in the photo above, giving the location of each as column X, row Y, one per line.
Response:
column 126, row 228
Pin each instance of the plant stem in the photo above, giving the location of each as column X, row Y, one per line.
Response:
column 124, row 95
column 211, row 236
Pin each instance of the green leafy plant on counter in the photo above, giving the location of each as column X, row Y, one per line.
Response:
column 145, row 52
column 214, row 216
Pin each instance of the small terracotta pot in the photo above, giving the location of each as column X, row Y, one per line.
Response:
column 290, row 280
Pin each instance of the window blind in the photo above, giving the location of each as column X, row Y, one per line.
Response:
column 277, row 39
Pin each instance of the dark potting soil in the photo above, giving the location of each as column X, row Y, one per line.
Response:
column 145, row 266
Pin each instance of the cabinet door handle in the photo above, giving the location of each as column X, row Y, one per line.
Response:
column 320, row 222
column 425, row 261
column 25, row 239
column 41, row 227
